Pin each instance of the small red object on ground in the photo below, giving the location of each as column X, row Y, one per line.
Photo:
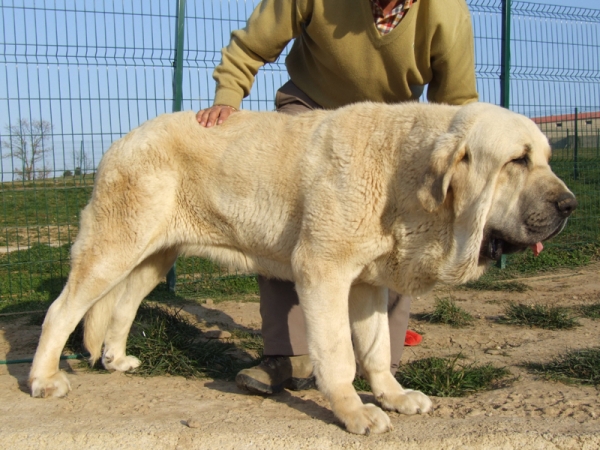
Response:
column 412, row 338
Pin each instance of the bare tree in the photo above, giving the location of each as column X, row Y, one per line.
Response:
column 28, row 143
column 82, row 162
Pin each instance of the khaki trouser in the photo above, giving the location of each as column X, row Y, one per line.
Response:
column 283, row 326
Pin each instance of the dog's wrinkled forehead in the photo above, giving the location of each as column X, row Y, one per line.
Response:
column 506, row 134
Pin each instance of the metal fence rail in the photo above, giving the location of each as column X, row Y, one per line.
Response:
column 75, row 76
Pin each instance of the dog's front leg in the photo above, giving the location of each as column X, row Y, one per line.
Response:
column 370, row 328
column 323, row 293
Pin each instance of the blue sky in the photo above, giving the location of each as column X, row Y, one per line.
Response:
column 594, row 4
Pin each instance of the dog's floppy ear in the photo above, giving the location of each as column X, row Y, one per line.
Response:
column 448, row 152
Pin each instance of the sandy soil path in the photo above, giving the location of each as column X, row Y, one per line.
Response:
column 129, row 412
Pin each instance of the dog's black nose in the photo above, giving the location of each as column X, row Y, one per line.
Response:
column 566, row 204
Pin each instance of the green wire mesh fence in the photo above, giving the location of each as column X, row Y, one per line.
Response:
column 75, row 76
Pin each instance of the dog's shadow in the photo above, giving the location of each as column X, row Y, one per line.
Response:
column 21, row 332
column 210, row 316
column 306, row 406
column 21, row 328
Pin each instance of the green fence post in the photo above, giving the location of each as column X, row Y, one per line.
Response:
column 505, row 75
column 178, row 63
column 177, row 93
column 505, row 55
column 575, row 148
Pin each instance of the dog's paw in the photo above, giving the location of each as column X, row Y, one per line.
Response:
column 123, row 364
column 55, row 386
column 409, row 402
column 366, row 420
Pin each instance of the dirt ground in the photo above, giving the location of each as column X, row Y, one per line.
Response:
column 131, row 412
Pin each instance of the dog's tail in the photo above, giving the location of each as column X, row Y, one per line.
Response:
column 96, row 323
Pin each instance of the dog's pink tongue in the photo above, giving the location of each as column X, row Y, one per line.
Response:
column 537, row 248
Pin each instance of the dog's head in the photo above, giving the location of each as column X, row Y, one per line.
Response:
column 492, row 166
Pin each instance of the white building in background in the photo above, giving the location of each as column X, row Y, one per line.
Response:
column 560, row 129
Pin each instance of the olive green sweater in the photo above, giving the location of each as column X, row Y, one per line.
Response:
column 339, row 57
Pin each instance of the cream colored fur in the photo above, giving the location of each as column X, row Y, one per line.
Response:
column 346, row 203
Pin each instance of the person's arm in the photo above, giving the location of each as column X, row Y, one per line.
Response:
column 271, row 26
column 453, row 79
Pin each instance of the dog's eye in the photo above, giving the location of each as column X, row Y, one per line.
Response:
column 522, row 161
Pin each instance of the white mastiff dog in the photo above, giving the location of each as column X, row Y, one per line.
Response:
column 345, row 203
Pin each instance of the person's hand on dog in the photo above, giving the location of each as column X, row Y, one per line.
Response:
column 215, row 115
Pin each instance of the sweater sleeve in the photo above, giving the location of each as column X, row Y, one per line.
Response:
column 453, row 79
column 269, row 29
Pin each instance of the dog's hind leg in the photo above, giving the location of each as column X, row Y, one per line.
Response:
column 96, row 270
column 126, row 221
column 370, row 330
column 80, row 293
column 136, row 287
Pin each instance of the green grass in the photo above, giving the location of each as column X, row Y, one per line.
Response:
column 169, row 344
column 42, row 211
column 539, row 316
column 248, row 341
column 219, row 288
column 34, row 310
column 447, row 312
column 43, row 206
column 39, row 273
column 589, row 311
column 580, row 240
column 24, row 307
column 361, row 385
column 202, row 278
column 485, row 284
column 36, row 274
column 446, row 377
column 443, row 377
column 519, row 265
column 577, row 366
